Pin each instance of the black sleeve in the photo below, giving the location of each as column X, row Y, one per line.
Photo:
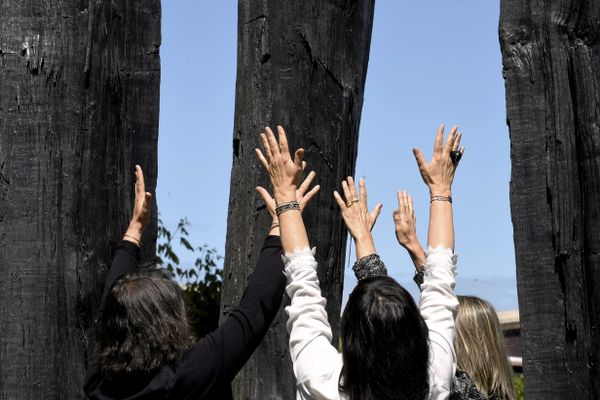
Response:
column 231, row 345
column 125, row 260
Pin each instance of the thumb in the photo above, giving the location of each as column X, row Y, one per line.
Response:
column 376, row 211
column 266, row 197
column 420, row 158
column 298, row 157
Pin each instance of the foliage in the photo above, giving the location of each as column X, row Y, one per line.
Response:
column 519, row 382
column 201, row 281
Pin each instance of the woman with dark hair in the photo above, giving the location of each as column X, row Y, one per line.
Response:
column 390, row 349
column 144, row 346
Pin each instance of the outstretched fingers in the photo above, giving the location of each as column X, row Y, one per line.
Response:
column 272, row 142
column 411, row 210
column 352, row 187
column 456, row 145
column 339, row 201
column 264, row 194
column 262, row 159
column 375, row 213
column 421, row 162
column 450, row 140
column 346, row 190
column 307, row 182
column 266, row 145
column 298, row 157
column 439, row 140
column 284, row 147
column 363, row 192
column 312, row 193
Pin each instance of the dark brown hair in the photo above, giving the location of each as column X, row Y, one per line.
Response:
column 144, row 324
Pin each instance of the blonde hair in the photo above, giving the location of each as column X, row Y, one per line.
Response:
column 479, row 348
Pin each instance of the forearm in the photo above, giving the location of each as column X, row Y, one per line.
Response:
column 247, row 324
column 417, row 254
column 291, row 226
column 316, row 362
column 441, row 225
column 364, row 245
column 134, row 232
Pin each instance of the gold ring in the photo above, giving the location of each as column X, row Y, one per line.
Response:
column 349, row 204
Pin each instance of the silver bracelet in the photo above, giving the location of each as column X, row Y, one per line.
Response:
column 369, row 266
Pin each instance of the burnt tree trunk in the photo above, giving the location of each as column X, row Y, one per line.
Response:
column 551, row 53
column 301, row 64
column 79, row 98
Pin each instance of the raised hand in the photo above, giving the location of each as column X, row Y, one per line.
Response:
column 405, row 224
column 355, row 210
column 302, row 196
column 141, row 209
column 438, row 174
column 285, row 174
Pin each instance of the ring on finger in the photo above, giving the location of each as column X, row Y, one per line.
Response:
column 351, row 202
column 456, row 155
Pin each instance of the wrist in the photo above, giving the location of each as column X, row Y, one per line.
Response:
column 362, row 236
column 411, row 246
column 440, row 191
column 284, row 195
column 364, row 246
column 135, row 227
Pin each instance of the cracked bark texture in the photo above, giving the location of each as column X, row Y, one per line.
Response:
column 302, row 65
column 79, row 100
column 551, row 54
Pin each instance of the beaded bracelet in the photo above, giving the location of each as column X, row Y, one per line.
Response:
column 369, row 266
column 441, row 198
column 283, row 207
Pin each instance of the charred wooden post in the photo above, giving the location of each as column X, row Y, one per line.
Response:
column 551, row 54
column 79, row 99
column 301, row 64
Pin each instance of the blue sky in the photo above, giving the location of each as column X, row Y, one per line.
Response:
column 431, row 61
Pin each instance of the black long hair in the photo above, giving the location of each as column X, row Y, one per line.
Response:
column 384, row 344
column 143, row 325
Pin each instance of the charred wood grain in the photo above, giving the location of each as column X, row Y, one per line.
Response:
column 551, row 55
column 301, row 64
column 79, row 99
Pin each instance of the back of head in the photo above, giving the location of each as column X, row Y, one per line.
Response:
column 144, row 324
column 479, row 348
column 384, row 343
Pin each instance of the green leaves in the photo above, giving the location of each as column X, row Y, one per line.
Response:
column 201, row 282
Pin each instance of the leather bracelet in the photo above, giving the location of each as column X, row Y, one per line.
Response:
column 441, row 198
column 283, row 207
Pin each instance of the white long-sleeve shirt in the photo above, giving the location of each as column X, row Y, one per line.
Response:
column 317, row 364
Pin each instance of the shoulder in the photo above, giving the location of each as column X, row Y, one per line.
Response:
column 463, row 388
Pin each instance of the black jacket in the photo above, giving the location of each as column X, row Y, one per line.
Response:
column 207, row 369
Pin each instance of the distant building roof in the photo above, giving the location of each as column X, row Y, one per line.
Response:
column 509, row 320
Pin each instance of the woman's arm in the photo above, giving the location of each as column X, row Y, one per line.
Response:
column 285, row 174
column 316, row 362
column 438, row 302
column 241, row 333
column 127, row 254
